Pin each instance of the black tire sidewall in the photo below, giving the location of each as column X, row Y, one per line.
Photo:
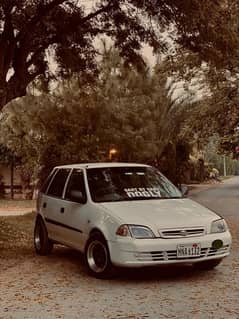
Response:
column 45, row 244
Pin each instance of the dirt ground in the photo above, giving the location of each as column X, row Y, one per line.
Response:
column 57, row 286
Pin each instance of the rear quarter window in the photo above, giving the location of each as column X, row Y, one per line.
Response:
column 47, row 182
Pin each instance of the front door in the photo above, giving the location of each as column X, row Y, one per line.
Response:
column 74, row 210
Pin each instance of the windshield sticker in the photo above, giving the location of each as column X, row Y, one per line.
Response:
column 143, row 192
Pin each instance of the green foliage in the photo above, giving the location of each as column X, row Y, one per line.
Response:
column 6, row 155
column 129, row 110
column 214, row 157
column 232, row 165
column 138, row 113
column 217, row 110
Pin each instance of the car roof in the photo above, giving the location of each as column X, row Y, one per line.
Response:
column 102, row 165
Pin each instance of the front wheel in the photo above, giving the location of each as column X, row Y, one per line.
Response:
column 43, row 245
column 97, row 257
column 208, row 264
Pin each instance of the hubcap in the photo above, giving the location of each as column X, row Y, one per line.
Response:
column 97, row 256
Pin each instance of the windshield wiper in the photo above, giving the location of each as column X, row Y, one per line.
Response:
column 154, row 198
column 130, row 199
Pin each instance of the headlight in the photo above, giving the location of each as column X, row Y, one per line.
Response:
column 135, row 231
column 219, row 226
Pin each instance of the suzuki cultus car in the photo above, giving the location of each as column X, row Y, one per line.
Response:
column 126, row 215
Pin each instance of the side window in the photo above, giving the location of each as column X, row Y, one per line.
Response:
column 75, row 190
column 47, row 182
column 58, row 183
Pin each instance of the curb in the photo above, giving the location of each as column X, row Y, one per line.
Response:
column 17, row 212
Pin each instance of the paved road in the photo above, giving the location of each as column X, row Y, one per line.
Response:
column 222, row 198
column 57, row 286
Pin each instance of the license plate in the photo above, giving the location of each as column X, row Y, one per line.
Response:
column 185, row 251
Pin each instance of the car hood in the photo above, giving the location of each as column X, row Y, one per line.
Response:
column 165, row 213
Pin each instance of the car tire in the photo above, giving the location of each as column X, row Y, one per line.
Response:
column 43, row 245
column 207, row 265
column 97, row 257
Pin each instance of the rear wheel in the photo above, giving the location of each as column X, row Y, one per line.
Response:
column 208, row 264
column 43, row 245
column 97, row 257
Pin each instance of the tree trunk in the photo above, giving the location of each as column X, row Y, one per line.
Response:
column 3, row 93
column 12, row 89
column 12, row 178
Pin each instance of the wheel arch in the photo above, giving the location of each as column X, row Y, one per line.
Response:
column 39, row 216
column 97, row 230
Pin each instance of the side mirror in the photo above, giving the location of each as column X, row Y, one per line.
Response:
column 184, row 189
column 77, row 196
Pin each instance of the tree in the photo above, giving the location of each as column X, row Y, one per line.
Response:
column 217, row 111
column 7, row 157
column 125, row 109
column 29, row 30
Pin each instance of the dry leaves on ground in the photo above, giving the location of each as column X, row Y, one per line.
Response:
column 16, row 233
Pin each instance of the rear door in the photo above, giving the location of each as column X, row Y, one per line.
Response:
column 52, row 205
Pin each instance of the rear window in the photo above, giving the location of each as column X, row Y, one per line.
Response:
column 57, row 185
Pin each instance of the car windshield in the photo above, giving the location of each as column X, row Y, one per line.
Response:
column 111, row 184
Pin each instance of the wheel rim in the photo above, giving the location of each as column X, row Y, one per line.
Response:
column 38, row 237
column 97, row 256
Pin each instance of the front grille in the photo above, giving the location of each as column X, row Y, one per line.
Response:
column 171, row 255
column 151, row 256
column 182, row 232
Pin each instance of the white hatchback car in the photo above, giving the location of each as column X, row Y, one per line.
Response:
column 126, row 215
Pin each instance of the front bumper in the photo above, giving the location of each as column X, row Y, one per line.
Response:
column 130, row 252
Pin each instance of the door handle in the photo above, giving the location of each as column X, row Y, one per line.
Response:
column 44, row 205
column 62, row 210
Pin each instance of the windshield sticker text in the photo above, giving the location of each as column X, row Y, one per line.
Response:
column 143, row 192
